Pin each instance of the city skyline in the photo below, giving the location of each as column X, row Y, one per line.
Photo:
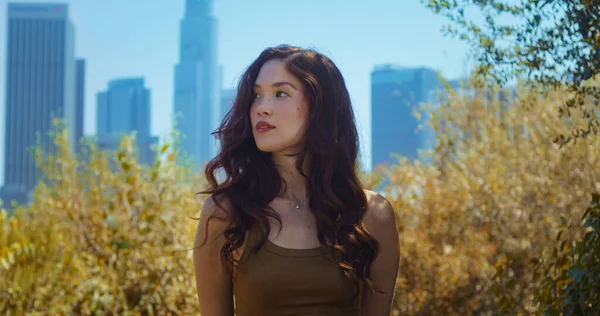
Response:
column 134, row 45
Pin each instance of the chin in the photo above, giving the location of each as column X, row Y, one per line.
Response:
column 267, row 148
column 272, row 147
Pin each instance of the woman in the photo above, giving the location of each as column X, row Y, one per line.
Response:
column 290, row 230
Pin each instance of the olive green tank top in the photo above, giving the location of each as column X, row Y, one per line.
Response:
column 281, row 281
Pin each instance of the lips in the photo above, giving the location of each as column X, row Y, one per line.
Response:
column 263, row 127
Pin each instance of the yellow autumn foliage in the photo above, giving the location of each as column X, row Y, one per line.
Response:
column 102, row 238
column 106, row 235
column 490, row 201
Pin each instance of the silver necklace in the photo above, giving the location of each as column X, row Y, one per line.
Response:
column 296, row 205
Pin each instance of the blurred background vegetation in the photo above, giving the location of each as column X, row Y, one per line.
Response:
column 491, row 224
column 503, row 219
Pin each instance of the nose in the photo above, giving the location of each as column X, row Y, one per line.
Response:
column 264, row 106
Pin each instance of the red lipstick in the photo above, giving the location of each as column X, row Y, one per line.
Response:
column 263, row 127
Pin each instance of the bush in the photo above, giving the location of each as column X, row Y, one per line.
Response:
column 101, row 240
column 571, row 279
column 489, row 203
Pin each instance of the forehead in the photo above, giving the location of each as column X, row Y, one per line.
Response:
column 274, row 71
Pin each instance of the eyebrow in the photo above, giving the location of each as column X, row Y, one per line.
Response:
column 279, row 84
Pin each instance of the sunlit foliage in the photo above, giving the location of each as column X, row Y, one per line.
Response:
column 100, row 239
column 478, row 223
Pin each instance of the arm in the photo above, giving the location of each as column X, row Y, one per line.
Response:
column 213, row 281
column 380, row 221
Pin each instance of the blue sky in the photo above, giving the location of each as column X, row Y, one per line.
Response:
column 141, row 37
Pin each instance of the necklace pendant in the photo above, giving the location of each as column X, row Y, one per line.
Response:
column 297, row 206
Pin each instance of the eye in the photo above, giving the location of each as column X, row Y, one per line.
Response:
column 280, row 94
column 255, row 96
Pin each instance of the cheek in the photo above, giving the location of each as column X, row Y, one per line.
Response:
column 297, row 117
column 302, row 113
column 253, row 116
column 300, row 123
column 301, row 110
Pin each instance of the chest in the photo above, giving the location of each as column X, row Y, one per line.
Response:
column 277, row 277
column 296, row 231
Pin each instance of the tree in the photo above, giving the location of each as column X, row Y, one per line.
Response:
column 554, row 43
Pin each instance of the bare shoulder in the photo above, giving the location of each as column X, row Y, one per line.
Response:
column 380, row 212
column 215, row 207
column 215, row 218
column 380, row 222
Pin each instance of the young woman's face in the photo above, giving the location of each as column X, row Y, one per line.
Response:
column 279, row 109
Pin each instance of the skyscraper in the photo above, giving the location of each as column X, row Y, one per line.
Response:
column 396, row 93
column 197, row 83
column 122, row 109
column 79, row 102
column 40, row 86
column 227, row 99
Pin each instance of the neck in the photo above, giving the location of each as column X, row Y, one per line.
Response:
column 295, row 183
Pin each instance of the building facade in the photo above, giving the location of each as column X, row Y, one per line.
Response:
column 396, row 93
column 227, row 99
column 122, row 109
column 79, row 103
column 197, row 83
column 40, row 87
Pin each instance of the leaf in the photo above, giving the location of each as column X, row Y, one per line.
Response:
column 563, row 245
column 559, row 234
column 589, row 236
column 511, row 284
column 504, row 302
column 596, row 199
column 497, row 290
column 586, row 213
column 5, row 264
column 150, row 309
column 171, row 157
column 499, row 271
column 164, row 148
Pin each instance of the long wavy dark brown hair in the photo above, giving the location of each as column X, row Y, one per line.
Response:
column 250, row 180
